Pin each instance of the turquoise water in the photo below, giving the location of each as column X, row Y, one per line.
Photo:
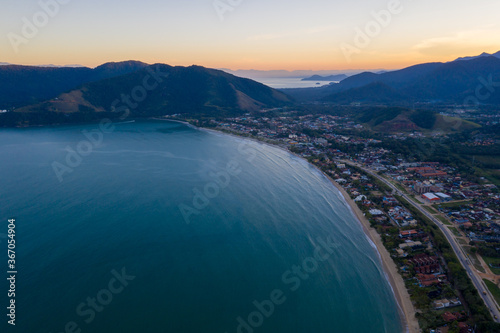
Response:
column 248, row 254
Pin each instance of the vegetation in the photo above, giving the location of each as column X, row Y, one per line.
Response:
column 494, row 290
column 424, row 118
column 23, row 85
column 457, row 274
column 190, row 90
column 493, row 263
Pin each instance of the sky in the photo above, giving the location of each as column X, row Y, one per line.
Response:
column 248, row 34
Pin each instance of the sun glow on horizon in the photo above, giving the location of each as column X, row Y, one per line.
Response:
column 283, row 35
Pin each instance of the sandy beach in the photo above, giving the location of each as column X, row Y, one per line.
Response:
column 395, row 279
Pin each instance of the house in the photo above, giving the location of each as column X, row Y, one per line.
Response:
column 425, row 264
column 426, row 280
column 412, row 245
column 434, row 173
column 467, row 225
column 450, row 317
column 407, row 233
column 464, row 328
column 441, row 304
column 444, row 303
column 390, row 201
column 360, row 198
column 376, row 212
column 401, row 253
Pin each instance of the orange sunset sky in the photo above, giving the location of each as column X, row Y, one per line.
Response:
column 257, row 34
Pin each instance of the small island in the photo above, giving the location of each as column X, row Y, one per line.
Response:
column 331, row 78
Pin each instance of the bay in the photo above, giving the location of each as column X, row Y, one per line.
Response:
column 207, row 228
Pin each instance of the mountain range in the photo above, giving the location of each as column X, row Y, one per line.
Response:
column 52, row 95
column 484, row 54
column 55, row 95
column 25, row 85
column 473, row 80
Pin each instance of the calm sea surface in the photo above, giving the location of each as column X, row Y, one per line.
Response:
column 290, row 82
column 164, row 228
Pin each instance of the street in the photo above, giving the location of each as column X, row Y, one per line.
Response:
column 462, row 257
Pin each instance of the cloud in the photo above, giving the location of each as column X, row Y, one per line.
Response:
column 461, row 41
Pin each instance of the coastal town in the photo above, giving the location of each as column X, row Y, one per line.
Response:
column 407, row 201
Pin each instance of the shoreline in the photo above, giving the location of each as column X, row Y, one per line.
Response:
column 394, row 278
column 405, row 306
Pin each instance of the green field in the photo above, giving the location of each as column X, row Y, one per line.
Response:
column 430, row 210
column 489, row 167
column 494, row 262
column 455, row 231
column 494, row 290
column 452, row 204
column 451, row 124
column 475, row 260
column 443, row 219
column 400, row 187
column 490, row 161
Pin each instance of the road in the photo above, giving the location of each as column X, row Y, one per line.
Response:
column 462, row 257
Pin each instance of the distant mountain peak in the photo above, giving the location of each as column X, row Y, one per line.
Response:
column 482, row 55
column 128, row 63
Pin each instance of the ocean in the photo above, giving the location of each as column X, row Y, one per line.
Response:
column 290, row 82
column 155, row 226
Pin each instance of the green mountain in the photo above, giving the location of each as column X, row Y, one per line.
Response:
column 398, row 119
column 155, row 90
column 25, row 85
column 469, row 80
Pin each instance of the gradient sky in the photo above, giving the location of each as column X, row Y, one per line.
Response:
column 256, row 34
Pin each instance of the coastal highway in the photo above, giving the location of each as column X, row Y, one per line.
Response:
column 464, row 260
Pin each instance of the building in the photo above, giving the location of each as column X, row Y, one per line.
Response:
column 431, row 197
column 443, row 197
column 376, row 212
column 412, row 245
column 425, row 264
column 322, row 142
column 390, row 201
column 408, row 233
column 432, row 174
column 426, row 280
column 421, row 188
column 360, row 198
column 444, row 303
